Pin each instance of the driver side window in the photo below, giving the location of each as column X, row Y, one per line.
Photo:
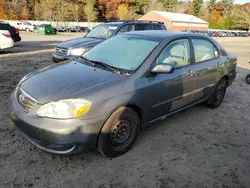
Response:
column 177, row 52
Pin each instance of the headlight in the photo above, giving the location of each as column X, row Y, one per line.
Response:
column 77, row 51
column 65, row 109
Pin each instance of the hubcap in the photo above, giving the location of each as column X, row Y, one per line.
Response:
column 120, row 132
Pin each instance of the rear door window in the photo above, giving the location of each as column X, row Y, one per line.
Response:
column 140, row 27
column 204, row 50
column 157, row 27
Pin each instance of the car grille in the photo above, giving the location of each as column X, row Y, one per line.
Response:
column 25, row 100
column 61, row 51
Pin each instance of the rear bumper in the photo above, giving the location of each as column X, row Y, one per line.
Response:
column 8, row 43
column 232, row 76
column 16, row 38
column 62, row 137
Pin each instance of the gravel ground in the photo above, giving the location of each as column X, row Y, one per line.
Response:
column 198, row 147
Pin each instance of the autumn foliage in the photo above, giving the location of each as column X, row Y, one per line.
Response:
column 221, row 14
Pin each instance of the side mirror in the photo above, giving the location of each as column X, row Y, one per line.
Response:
column 163, row 68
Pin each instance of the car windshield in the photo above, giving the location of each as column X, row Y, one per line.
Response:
column 101, row 31
column 123, row 52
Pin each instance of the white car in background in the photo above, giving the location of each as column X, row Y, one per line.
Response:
column 5, row 40
column 26, row 26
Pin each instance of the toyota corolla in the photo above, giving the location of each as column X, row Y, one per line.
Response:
column 102, row 99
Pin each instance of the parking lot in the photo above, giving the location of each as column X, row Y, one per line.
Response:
column 198, row 147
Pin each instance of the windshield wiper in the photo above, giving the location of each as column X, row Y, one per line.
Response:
column 109, row 67
column 87, row 60
column 113, row 69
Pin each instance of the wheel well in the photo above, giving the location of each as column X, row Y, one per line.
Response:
column 137, row 109
column 226, row 77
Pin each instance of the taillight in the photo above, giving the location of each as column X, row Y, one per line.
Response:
column 17, row 31
column 7, row 35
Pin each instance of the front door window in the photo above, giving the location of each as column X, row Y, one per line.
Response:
column 177, row 53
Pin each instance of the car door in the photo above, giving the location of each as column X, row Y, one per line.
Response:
column 207, row 67
column 170, row 92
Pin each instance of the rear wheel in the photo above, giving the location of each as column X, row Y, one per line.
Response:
column 248, row 79
column 119, row 132
column 218, row 95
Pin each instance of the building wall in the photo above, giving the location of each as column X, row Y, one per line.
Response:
column 174, row 26
column 182, row 26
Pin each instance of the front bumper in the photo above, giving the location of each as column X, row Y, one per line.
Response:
column 62, row 137
column 58, row 58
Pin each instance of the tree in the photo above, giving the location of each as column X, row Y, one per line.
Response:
column 141, row 7
column 211, row 5
column 90, row 13
column 12, row 15
column 24, row 13
column 109, row 7
column 169, row 5
column 215, row 20
column 197, row 7
column 2, row 10
column 227, row 5
column 189, row 8
column 243, row 15
column 46, row 9
column 123, row 12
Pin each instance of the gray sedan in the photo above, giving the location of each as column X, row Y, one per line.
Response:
column 102, row 99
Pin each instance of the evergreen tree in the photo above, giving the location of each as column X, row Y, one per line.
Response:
column 197, row 7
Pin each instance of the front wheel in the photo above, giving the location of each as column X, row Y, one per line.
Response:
column 218, row 95
column 119, row 132
column 248, row 79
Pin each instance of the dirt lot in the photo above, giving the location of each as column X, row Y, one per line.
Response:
column 199, row 147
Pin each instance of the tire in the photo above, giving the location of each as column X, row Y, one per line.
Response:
column 218, row 94
column 248, row 79
column 112, row 141
column 27, row 30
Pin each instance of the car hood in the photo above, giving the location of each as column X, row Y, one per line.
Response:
column 80, row 42
column 63, row 80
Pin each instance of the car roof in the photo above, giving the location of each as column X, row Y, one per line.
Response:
column 113, row 23
column 134, row 21
column 162, row 34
